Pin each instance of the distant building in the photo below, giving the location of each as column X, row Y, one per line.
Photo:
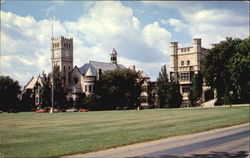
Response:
column 184, row 63
column 80, row 80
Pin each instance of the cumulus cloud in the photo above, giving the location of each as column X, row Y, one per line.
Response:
column 211, row 21
column 107, row 25
column 156, row 37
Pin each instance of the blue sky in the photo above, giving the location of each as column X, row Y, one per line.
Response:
column 140, row 31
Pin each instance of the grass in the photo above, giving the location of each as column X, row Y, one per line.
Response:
column 31, row 134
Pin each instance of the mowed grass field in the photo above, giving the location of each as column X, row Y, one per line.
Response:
column 31, row 134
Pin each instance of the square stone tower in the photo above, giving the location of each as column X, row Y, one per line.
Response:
column 62, row 56
column 184, row 62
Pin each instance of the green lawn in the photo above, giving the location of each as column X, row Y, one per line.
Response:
column 31, row 134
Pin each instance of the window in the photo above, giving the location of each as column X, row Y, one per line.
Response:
column 144, row 99
column 188, row 62
column 69, row 74
column 86, row 88
column 90, row 89
column 182, row 63
column 37, row 100
column 100, row 72
column 185, row 76
column 75, row 80
column 144, row 89
column 185, row 89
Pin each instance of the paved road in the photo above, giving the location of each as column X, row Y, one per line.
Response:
column 226, row 142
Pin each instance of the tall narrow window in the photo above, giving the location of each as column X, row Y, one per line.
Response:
column 188, row 62
column 69, row 74
column 90, row 89
column 182, row 63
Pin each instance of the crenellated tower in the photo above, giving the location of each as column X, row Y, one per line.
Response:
column 62, row 56
column 197, row 52
column 174, row 61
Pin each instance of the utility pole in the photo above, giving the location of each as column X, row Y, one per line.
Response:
column 52, row 78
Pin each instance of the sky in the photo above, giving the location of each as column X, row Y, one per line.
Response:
column 140, row 31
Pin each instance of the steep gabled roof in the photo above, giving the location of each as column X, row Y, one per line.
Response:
column 90, row 72
column 96, row 65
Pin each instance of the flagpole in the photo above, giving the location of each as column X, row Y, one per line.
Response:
column 52, row 83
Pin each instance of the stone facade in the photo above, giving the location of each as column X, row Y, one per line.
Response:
column 184, row 62
column 80, row 80
column 62, row 56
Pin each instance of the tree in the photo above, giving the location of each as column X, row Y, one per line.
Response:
column 162, row 87
column 196, row 89
column 168, row 93
column 220, row 72
column 45, row 90
column 239, row 67
column 59, row 93
column 27, row 101
column 174, row 97
column 9, row 91
column 118, row 89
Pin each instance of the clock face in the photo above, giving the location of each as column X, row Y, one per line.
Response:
column 67, row 53
column 56, row 53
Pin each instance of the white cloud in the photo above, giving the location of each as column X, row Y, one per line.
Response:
column 208, row 21
column 178, row 24
column 156, row 37
column 107, row 25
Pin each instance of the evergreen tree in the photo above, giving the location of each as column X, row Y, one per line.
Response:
column 196, row 89
column 168, row 93
column 45, row 90
column 174, row 97
column 162, row 87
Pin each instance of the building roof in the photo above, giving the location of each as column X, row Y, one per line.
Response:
column 96, row 65
column 90, row 72
column 32, row 82
column 144, row 75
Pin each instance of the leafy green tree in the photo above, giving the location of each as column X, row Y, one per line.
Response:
column 9, row 91
column 168, row 93
column 239, row 67
column 27, row 101
column 196, row 89
column 220, row 72
column 118, row 89
column 59, row 93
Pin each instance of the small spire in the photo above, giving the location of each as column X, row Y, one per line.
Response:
column 113, row 56
column 113, row 52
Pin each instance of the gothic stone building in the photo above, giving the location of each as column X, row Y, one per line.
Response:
column 78, row 80
column 184, row 62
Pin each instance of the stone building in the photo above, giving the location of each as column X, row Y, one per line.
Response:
column 80, row 80
column 184, row 62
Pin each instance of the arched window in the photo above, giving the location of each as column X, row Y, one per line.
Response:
column 69, row 74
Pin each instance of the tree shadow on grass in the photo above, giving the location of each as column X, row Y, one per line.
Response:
column 240, row 154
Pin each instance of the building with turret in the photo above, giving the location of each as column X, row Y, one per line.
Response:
column 81, row 80
column 184, row 63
